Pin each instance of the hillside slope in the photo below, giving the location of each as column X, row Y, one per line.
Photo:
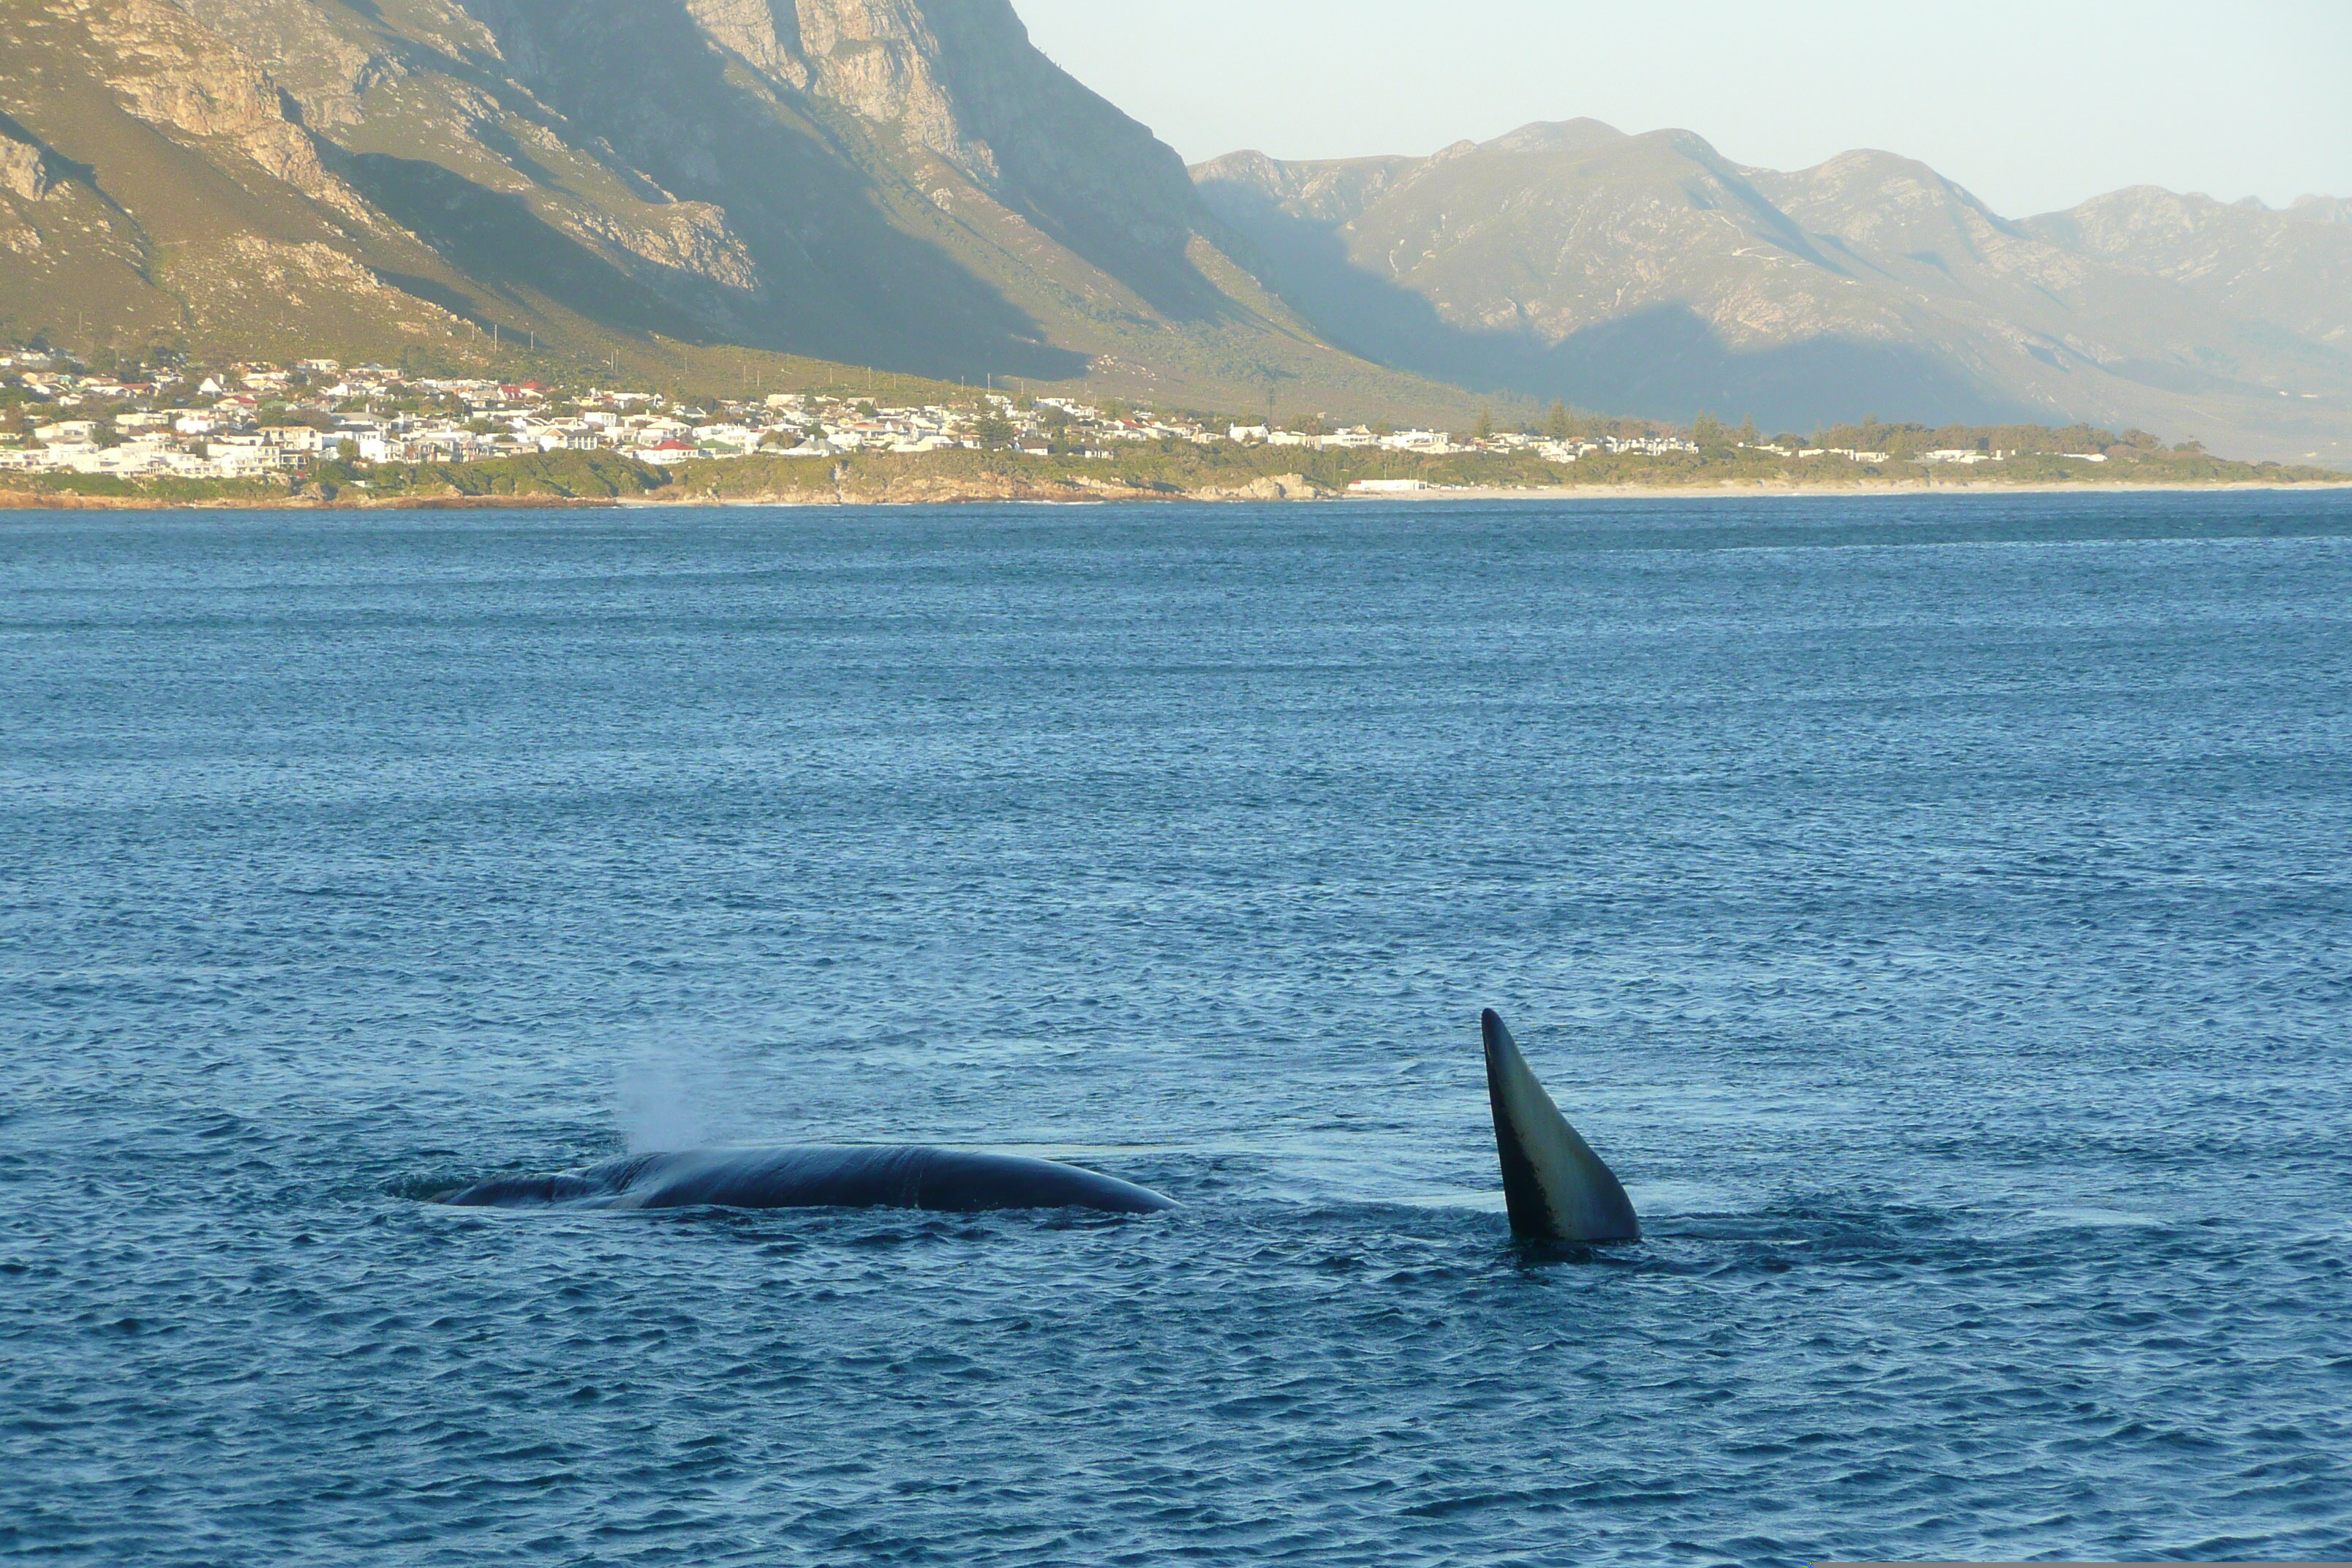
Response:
column 906, row 183
column 1650, row 274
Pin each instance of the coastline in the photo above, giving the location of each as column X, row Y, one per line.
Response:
column 937, row 494
column 1733, row 489
column 1726, row 490
column 66, row 501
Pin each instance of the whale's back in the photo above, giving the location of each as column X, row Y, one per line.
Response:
column 911, row 1176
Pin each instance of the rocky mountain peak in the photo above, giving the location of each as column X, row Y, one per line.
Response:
column 1581, row 136
column 880, row 59
column 1884, row 201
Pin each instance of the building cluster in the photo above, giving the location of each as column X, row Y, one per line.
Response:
column 1963, row 456
column 260, row 419
column 255, row 420
column 1443, row 443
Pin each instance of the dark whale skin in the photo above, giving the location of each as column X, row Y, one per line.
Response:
column 906, row 1176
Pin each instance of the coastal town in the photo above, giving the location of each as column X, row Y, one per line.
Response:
column 321, row 431
column 252, row 420
column 259, row 418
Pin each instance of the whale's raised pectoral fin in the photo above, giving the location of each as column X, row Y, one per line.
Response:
column 1557, row 1187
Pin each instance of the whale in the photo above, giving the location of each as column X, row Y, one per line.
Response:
column 1556, row 1187
column 905, row 1176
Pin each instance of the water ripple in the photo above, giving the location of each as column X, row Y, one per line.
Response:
column 1937, row 911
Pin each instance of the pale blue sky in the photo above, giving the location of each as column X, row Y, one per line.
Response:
column 2032, row 106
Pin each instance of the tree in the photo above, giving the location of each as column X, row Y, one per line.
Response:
column 1486, row 431
column 1706, row 430
column 1748, row 435
column 1560, row 428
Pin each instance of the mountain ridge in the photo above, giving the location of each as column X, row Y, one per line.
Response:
column 1650, row 274
column 907, row 184
column 911, row 185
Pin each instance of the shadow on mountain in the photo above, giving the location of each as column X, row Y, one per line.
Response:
column 494, row 237
column 457, row 301
column 1668, row 363
column 54, row 166
column 1662, row 363
column 838, row 278
column 1076, row 166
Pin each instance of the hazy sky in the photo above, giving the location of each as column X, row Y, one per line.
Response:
column 2032, row 106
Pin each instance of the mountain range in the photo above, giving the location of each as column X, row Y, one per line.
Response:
column 1649, row 274
column 907, row 184
column 912, row 185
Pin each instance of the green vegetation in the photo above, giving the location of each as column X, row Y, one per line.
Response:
column 552, row 477
column 1172, row 469
column 1177, row 470
column 548, row 475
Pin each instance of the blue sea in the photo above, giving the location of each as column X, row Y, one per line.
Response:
column 1939, row 910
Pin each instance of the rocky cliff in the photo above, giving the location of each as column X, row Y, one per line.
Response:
column 908, row 184
column 160, row 187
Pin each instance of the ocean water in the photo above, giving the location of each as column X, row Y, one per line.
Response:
column 1939, row 910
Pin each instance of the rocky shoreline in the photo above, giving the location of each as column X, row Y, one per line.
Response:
column 1018, row 490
